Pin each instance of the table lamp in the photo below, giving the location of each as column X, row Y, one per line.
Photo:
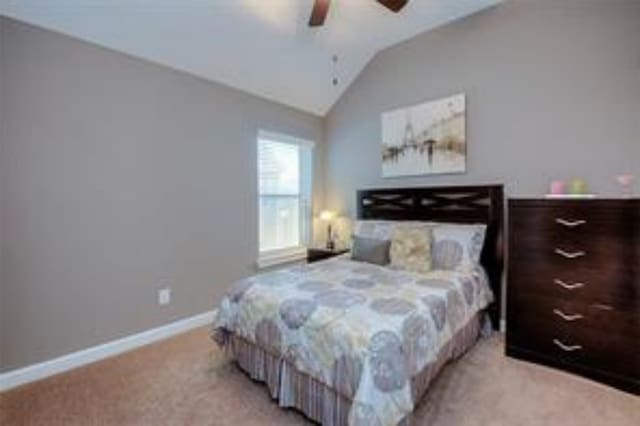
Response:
column 327, row 216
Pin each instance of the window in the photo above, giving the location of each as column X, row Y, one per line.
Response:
column 284, row 188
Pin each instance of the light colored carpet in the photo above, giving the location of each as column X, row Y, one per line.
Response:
column 187, row 381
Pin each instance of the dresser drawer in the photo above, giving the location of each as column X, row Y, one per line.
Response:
column 577, row 221
column 577, row 335
column 587, row 352
column 578, row 280
column 571, row 317
column 608, row 288
column 600, row 253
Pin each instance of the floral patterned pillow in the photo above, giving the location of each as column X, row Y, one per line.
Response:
column 457, row 247
column 411, row 247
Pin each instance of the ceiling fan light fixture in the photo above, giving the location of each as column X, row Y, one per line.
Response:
column 319, row 13
column 394, row 5
column 321, row 9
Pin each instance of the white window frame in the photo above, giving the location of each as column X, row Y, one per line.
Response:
column 268, row 258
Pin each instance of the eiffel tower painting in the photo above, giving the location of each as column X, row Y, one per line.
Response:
column 425, row 139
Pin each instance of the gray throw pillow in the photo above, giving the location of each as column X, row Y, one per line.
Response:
column 370, row 250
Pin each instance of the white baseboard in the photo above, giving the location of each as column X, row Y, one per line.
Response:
column 67, row 362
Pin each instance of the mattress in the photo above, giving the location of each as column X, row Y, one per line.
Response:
column 371, row 336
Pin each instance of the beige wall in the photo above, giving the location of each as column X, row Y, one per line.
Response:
column 118, row 174
column 553, row 90
column 2, row 127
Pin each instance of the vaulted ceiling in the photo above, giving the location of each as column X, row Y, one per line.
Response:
column 264, row 47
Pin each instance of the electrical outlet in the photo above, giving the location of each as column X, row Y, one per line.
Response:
column 164, row 296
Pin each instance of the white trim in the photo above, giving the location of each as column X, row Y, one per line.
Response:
column 306, row 167
column 280, row 137
column 503, row 325
column 67, row 362
column 270, row 258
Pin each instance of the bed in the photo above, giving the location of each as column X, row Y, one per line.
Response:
column 349, row 342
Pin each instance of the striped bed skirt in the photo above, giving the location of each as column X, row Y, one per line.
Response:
column 319, row 401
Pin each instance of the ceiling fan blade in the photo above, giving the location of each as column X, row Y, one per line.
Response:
column 394, row 5
column 319, row 13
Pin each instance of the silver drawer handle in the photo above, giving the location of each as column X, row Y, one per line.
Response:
column 570, row 255
column 603, row 307
column 570, row 223
column 567, row 317
column 567, row 285
column 566, row 348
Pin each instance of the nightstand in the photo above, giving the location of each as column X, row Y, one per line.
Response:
column 317, row 254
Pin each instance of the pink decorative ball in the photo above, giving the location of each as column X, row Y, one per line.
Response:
column 626, row 182
column 558, row 187
column 625, row 179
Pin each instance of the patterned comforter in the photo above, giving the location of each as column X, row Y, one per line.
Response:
column 359, row 328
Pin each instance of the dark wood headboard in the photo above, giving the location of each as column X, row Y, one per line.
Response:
column 454, row 204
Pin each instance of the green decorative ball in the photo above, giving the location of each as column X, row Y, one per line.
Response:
column 578, row 187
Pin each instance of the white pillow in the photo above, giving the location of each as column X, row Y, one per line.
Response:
column 378, row 229
column 457, row 247
column 383, row 229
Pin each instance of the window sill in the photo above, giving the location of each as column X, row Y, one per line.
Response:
column 271, row 258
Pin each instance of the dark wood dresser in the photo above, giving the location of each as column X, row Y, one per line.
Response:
column 573, row 291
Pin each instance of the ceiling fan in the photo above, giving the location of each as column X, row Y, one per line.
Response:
column 321, row 7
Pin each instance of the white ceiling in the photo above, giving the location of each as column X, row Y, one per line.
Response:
column 260, row 46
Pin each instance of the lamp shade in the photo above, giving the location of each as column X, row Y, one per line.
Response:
column 327, row 215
